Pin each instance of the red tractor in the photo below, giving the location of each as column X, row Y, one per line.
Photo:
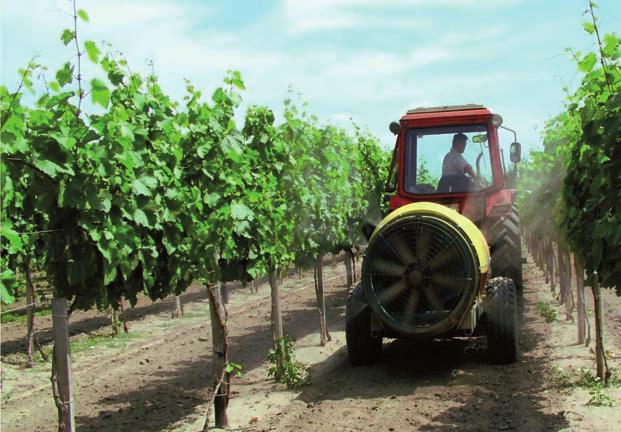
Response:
column 446, row 261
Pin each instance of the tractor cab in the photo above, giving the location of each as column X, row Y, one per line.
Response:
column 451, row 155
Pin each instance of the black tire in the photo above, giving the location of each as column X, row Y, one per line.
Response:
column 361, row 346
column 506, row 251
column 502, row 321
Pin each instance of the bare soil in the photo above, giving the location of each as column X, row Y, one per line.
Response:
column 158, row 378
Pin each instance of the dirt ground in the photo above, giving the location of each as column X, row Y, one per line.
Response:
column 157, row 378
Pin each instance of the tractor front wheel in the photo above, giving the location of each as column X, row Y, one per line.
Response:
column 362, row 347
column 502, row 321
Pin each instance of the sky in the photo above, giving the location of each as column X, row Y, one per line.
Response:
column 362, row 60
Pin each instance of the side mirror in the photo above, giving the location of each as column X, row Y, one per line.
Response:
column 394, row 127
column 515, row 152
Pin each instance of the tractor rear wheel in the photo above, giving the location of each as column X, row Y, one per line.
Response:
column 362, row 347
column 506, row 251
column 502, row 321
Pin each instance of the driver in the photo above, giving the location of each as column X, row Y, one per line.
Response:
column 454, row 164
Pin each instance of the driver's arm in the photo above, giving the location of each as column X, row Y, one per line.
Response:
column 468, row 170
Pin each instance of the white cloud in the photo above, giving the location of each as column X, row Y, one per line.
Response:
column 318, row 15
column 139, row 13
column 432, row 67
column 317, row 22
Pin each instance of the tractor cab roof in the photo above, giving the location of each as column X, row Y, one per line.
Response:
column 447, row 112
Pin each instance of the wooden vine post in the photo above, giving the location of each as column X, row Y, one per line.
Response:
column 115, row 321
column 552, row 267
column 178, row 310
column 600, row 356
column 277, row 329
column 117, row 317
column 220, row 375
column 62, row 380
column 348, row 267
column 353, row 264
column 324, row 336
column 123, row 316
column 224, row 292
column 30, row 315
column 564, row 272
column 580, row 303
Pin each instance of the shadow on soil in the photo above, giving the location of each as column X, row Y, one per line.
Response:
column 176, row 393
column 88, row 324
column 497, row 397
column 92, row 321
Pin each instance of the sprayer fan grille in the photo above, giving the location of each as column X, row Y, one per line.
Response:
column 418, row 272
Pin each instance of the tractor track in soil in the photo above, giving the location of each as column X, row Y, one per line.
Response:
column 442, row 385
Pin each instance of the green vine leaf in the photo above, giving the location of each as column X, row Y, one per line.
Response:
column 143, row 185
column 92, row 51
column 239, row 211
column 15, row 242
column 67, row 36
column 64, row 75
column 99, row 92
column 587, row 62
column 588, row 27
column 83, row 15
column 141, row 218
column 8, row 283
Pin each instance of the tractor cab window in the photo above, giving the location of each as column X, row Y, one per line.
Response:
column 447, row 159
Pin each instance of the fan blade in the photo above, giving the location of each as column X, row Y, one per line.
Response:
column 387, row 268
column 431, row 295
column 444, row 257
column 452, row 283
column 389, row 294
column 422, row 244
column 411, row 306
column 402, row 248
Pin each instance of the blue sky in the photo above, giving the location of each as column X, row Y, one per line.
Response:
column 362, row 59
